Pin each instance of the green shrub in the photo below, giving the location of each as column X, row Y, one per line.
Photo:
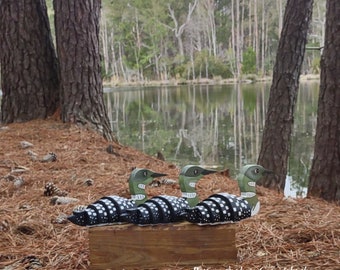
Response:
column 249, row 61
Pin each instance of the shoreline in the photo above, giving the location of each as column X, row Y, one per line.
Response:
column 203, row 81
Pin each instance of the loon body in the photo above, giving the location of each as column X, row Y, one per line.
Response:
column 108, row 209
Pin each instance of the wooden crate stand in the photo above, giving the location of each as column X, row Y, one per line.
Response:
column 141, row 247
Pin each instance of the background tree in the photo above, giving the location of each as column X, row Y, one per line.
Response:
column 275, row 145
column 29, row 77
column 81, row 91
column 179, row 28
column 324, row 179
column 140, row 39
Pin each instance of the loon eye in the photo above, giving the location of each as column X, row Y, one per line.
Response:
column 257, row 171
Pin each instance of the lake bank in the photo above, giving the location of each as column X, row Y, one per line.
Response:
column 215, row 81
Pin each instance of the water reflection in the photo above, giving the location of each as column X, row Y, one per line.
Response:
column 213, row 125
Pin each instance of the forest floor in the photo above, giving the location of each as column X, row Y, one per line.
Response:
column 34, row 234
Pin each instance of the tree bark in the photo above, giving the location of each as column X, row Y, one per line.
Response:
column 28, row 62
column 77, row 36
column 275, row 145
column 324, row 178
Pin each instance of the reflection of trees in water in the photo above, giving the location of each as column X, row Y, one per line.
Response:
column 213, row 125
column 302, row 144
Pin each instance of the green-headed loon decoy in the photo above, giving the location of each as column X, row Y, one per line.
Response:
column 108, row 209
column 224, row 207
column 165, row 208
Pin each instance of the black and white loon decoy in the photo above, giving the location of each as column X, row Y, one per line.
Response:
column 108, row 209
column 224, row 207
column 165, row 208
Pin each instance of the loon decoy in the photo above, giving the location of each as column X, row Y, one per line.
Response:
column 108, row 209
column 224, row 207
column 165, row 208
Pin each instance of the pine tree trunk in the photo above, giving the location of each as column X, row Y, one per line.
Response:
column 28, row 62
column 324, row 179
column 275, row 147
column 77, row 33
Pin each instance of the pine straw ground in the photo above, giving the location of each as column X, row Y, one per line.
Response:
column 287, row 234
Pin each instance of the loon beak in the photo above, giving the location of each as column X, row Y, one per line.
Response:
column 268, row 171
column 155, row 174
column 205, row 172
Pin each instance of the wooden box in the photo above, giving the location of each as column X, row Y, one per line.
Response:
column 179, row 244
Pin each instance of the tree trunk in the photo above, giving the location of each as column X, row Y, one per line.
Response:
column 256, row 37
column 250, row 26
column 29, row 64
column 77, row 35
column 263, row 43
column 279, row 7
column 238, row 41
column 324, row 178
column 179, row 30
column 210, row 9
column 275, row 145
column 105, row 47
column 233, row 39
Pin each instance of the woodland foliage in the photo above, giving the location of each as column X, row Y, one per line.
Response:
column 191, row 39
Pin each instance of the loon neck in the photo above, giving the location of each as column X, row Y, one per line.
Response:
column 248, row 192
column 138, row 193
column 188, row 189
column 253, row 201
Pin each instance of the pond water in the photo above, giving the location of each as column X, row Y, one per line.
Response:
column 215, row 125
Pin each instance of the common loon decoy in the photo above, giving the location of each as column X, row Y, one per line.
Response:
column 108, row 209
column 165, row 208
column 224, row 207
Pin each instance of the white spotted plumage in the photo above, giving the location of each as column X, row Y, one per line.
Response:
column 159, row 209
column 219, row 208
column 102, row 211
